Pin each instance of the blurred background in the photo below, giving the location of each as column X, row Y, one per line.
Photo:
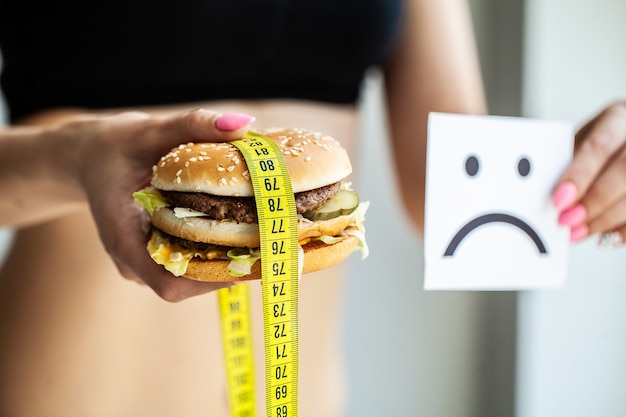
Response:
column 557, row 353
column 492, row 354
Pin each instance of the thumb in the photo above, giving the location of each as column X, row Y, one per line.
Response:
column 206, row 125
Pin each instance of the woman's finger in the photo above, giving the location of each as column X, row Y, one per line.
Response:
column 205, row 125
column 611, row 219
column 604, row 138
column 608, row 189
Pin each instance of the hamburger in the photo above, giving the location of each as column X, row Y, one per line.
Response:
column 202, row 214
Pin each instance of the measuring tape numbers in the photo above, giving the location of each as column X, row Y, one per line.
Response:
column 278, row 229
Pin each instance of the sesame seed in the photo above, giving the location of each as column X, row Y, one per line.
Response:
column 177, row 159
column 234, row 180
column 221, row 168
column 203, row 153
column 222, row 181
column 180, row 171
column 186, row 164
column 230, row 168
column 307, row 159
column 192, row 159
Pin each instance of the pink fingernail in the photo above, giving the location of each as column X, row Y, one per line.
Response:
column 565, row 195
column 578, row 233
column 233, row 121
column 573, row 216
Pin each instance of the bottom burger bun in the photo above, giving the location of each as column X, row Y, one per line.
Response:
column 317, row 256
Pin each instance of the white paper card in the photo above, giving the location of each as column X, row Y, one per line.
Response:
column 489, row 222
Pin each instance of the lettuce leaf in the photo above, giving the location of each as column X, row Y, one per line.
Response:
column 162, row 253
column 359, row 218
column 241, row 261
column 149, row 199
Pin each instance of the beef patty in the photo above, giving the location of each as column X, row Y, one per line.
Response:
column 243, row 209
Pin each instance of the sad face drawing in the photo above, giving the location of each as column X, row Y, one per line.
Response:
column 489, row 220
column 472, row 168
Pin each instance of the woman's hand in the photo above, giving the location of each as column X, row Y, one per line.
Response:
column 592, row 192
column 114, row 158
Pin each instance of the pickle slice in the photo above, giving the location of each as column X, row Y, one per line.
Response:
column 342, row 203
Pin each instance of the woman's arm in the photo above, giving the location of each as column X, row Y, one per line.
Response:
column 434, row 68
column 37, row 181
column 47, row 171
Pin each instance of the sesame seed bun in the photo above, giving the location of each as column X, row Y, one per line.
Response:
column 313, row 160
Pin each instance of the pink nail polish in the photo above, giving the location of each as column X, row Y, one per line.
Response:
column 578, row 233
column 573, row 216
column 233, row 121
column 565, row 195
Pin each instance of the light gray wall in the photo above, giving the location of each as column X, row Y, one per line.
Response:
column 572, row 342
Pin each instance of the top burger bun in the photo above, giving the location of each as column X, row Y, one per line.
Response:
column 313, row 160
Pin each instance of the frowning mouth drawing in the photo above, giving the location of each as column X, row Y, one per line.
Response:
column 494, row 218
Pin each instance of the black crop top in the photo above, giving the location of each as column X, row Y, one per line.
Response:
column 100, row 54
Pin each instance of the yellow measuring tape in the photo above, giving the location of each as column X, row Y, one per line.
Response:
column 278, row 229
column 238, row 353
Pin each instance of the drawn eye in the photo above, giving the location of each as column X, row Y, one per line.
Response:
column 471, row 165
column 523, row 167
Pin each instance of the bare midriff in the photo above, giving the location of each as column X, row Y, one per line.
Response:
column 77, row 339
